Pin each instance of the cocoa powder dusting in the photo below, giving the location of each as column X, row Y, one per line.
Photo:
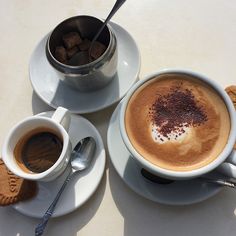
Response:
column 176, row 110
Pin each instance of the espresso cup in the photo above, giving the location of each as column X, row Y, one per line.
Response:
column 188, row 131
column 43, row 141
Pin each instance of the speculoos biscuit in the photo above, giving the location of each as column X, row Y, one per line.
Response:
column 14, row 189
column 231, row 90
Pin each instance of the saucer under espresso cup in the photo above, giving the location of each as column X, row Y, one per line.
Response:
column 33, row 137
column 178, row 135
column 81, row 187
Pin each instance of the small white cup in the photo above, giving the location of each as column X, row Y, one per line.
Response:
column 225, row 162
column 59, row 122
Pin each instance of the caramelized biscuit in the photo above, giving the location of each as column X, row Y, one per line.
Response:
column 231, row 90
column 14, row 189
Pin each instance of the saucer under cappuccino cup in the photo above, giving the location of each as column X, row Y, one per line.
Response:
column 178, row 124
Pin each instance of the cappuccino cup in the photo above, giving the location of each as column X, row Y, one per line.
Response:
column 38, row 148
column 178, row 124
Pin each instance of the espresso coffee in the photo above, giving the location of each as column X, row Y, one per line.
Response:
column 177, row 122
column 38, row 150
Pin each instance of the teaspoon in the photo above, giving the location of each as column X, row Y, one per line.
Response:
column 163, row 181
column 81, row 158
column 84, row 57
column 115, row 8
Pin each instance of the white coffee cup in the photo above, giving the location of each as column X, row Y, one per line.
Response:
column 226, row 160
column 59, row 122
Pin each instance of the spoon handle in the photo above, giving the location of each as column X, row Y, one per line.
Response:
column 42, row 225
column 221, row 182
column 115, row 8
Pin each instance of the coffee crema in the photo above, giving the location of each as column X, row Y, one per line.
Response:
column 177, row 122
column 38, row 150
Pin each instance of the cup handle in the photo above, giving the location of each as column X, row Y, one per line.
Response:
column 229, row 166
column 62, row 116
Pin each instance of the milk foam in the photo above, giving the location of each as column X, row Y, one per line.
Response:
column 177, row 146
column 174, row 136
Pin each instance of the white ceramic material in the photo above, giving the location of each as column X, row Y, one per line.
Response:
column 177, row 193
column 228, row 167
column 55, row 93
column 80, row 188
column 59, row 122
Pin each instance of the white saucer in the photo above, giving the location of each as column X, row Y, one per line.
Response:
column 176, row 193
column 55, row 93
column 81, row 187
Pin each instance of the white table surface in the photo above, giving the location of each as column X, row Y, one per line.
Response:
column 198, row 35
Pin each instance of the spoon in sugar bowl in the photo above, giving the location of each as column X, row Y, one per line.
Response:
column 85, row 56
column 81, row 158
column 115, row 8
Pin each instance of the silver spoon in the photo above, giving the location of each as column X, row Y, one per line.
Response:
column 115, row 8
column 84, row 57
column 221, row 182
column 81, row 158
column 163, row 181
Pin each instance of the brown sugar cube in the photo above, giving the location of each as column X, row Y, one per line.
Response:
column 14, row 189
column 231, row 90
column 60, row 54
column 97, row 50
column 71, row 39
column 84, row 46
column 83, row 59
column 71, row 52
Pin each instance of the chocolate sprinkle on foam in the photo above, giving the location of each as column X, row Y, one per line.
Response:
column 175, row 111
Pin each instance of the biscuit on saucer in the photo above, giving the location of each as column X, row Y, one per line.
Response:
column 14, row 189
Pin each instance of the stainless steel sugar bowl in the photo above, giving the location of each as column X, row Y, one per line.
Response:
column 93, row 75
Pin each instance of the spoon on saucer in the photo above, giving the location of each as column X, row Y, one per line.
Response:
column 115, row 8
column 222, row 182
column 163, row 181
column 81, row 158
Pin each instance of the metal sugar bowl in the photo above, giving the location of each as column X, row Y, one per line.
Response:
column 94, row 74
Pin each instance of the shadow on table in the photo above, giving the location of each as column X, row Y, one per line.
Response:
column 39, row 105
column 67, row 225
column 215, row 216
column 101, row 120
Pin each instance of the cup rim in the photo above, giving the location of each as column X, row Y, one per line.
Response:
column 74, row 69
column 34, row 176
column 171, row 173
